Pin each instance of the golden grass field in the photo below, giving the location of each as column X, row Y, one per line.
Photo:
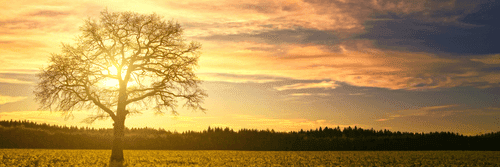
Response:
column 49, row 157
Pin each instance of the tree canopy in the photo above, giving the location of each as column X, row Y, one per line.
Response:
column 122, row 59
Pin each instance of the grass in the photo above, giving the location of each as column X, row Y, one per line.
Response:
column 46, row 157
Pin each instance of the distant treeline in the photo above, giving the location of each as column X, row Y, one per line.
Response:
column 27, row 134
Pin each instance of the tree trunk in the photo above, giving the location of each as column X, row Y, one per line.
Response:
column 119, row 125
column 117, row 149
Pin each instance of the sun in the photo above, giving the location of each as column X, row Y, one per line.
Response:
column 113, row 82
column 110, row 82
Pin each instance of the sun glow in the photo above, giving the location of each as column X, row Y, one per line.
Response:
column 111, row 82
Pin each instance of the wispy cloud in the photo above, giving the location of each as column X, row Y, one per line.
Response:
column 224, row 77
column 10, row 99
column 18, row 77
column 438, row 111
column 383, row 119
column 358, row 63
column 323, row 84
column 301, row 94
column 488, row 59
column 309, row 94
column 14, row 81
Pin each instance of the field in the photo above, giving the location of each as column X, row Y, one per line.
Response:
column 45, row 157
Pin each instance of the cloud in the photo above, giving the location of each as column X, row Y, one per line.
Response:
column 438, row 107
column 419, row 36
column 356, row 62
column 49, row 13
column 273, row 19
column 309, row 94
column 30, row 33
column 10, row 99
column 488, row 59
column 18, row 78
column 443, row 110
column 428, row 10
column 301, row 94
column 323, row 84
column 285, row 14
column 393, row 44
column 383, row 119
column 388, row 44
column 385, row 43
column 433, row 111
column 235, row 78
column 280, row 36
column 14, row 81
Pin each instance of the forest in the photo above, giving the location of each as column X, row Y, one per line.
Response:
column 28, row 134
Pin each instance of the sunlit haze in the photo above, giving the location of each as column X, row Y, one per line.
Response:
column 403, row 65
column 110, row 82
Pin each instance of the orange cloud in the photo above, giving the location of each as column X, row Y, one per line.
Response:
column 252, row 15
column 439, row 111
column 380, row 120
column 348, row 17
column 489, row 59
column 301, row 94
column 31, row 30
column 324, row 84
column 237, row 78
column 358, row 64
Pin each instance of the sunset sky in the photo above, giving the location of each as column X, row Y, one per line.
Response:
column 403, row 65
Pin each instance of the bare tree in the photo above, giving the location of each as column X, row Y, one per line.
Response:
column 120, row 64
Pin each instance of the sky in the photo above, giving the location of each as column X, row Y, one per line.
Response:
column 402, row 65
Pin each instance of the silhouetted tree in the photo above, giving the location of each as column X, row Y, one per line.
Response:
column 120, row 64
